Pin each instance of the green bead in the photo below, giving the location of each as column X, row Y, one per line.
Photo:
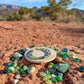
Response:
column 60, row 59
column 48, row 82
column 17, row 55
column 52, row 71
column 21, row 70
column 9, row 63
column 33, row 45
column 17, row 76
column 76, row 60
column 15, row 64
column 51, row 63
column 31, row 70
column 66, row 54
column 64, row 57
column 60, row 53
column 53, row 75
column 42, row 74
column 59, row 78
column 13, row 59
column 11, row 69
column 21, row 65
column 81, row 68
column 25, row 68
column 53, row 79
column 47, row 77
column 50, row 66
column 47, row 72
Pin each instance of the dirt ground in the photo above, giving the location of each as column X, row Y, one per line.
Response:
column 18, row 35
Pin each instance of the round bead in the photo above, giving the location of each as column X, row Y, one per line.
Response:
column 76, row 60
column 48, row 82
column 42, row 74
column 59, row 78
column 17, row 76
column 31, row 70
column 60, row 53
column 53, row 79
column 47, row 77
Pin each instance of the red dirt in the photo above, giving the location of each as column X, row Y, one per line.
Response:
column 17, row 35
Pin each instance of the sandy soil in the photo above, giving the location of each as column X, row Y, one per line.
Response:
column 18, row 35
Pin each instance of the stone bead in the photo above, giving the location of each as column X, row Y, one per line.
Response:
column 15, row 64
column 60, row 53
column 47, row 72
column 21, row 70
column 42, row 74
column 58, row 73
column 25, row 68
column 47, row 77
column 13, row 59
column 48, row 82
column 71, row 54
column 31, row 70
column 15, row 81
column 33, row 45
column 62, row 67
column 81, row 69
column 17, row 55
column 64, row 57
column 75, row 56
column 50, row 66
column 53, row 79
column 53, row 75
column 66, row 54
column 65, row 50
column 52, row 71
column 11, row 69
column 9, row 63
column 59, row 78
column 22, row 51
column 51, row 63
column 76, row 60
column 17, row 76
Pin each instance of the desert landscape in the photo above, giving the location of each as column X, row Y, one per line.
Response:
column 16, row 35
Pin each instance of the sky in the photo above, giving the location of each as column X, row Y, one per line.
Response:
column 38, row 3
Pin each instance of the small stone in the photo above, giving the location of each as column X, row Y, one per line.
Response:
column 62, row 67
column 58, row 73
column 11, row 69
column 53, row 75
column 15, row 64
column 81, row 69
column 47, row 72
column 21, row 70
column 17, row 55
column 33, row 45
column 71, row 54
column 47, row 77
column 51, row 63
column 65, row 50
column 76, row 60
column 22, row 51
column 48, row 82
column 13, row 59
column 25, row 68
column 52, row 71
column 42, row 74
column 60, row 53
column 15, row 81
column 59, row 59
column 9, row 63
column 53, row 79
column 50, row 66
column 75, row 56
column 17, row 76
column 66, row 54
column 31, row 70
column 59, row 78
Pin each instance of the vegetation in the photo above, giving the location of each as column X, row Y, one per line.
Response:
column 55, row 11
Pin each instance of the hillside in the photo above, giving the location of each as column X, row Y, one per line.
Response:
column 79, row 12
column 11, row 7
